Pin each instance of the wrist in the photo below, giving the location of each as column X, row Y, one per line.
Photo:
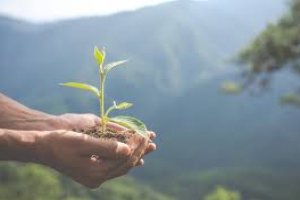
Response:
column 20, row 145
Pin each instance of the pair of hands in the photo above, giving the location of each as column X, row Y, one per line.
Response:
column 87, row 160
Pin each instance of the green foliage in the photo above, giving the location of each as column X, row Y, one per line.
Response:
column 28, row 182
column 112, row 65
column 277, row 47
column 82, row 86
column 258, row 184
column 121, row 106
column 221, row 193
column 99, row 56
column 34, row 182
column 129, row 122
column 222, row 138
column 123, row 189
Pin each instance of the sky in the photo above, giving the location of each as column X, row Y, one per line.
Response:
column 53, row 10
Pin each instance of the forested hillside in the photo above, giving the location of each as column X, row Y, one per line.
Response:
column 179, row 54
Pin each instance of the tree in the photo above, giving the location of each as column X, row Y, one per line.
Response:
column 274, row 49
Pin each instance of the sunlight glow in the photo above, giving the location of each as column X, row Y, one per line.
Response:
column 52, row 10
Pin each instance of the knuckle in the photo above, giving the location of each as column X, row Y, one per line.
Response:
column 143, row 140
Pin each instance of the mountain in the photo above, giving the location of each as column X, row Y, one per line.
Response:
column 179, row 53
column 171, row 48
column 211, row 130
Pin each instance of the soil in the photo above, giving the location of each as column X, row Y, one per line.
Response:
column 128, row 137
column 123, row 136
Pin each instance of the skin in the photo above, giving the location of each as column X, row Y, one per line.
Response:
column 28, row 135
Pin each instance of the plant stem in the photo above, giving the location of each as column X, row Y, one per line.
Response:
column 102, row 101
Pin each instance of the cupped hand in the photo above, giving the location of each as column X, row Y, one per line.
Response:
column 76, row 122
column 138, row 146
column 80, row 122
column 85, row 159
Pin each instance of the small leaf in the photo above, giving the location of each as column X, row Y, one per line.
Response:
column 131, row 123
column 99, row 55
column 82, row 86
column 112, row 65
column 121, row 106
column 124, row 105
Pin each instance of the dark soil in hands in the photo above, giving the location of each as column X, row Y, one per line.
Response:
column 121, row 136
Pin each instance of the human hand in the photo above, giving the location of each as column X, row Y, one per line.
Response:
column 149, row 148
column 76, row 122
column 80, row 122
column 90, row 161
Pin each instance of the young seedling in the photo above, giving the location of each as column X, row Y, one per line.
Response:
column 126, row 121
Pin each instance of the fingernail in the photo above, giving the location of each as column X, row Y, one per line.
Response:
column 141, row 162
column 153, row 146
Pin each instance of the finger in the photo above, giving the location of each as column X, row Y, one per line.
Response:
column 104, row 148
column 123, row 169
column 140, row 163
column 151, row 147
column 115, row 127
column 151, row 135
column 139, row 147
column 138, row 144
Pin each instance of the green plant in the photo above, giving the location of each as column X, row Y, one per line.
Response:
column 126, row 121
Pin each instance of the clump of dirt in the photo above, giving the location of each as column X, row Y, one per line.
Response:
column 121, row 136
column 129, row 137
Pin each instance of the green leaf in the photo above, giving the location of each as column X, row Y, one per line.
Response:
column 82, row 86
column 112, row 65
column 121, row 106
column 99, row 55
column 131, row 123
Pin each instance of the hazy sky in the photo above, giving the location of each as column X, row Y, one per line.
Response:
column 49, row 10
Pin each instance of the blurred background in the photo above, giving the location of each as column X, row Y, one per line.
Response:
column 217, row 80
